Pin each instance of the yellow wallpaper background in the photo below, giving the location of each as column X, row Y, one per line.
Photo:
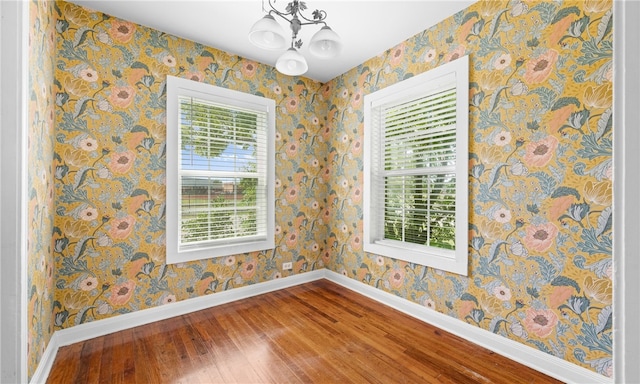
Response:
column 41, row 206
column 540, row 183
column 110, row 168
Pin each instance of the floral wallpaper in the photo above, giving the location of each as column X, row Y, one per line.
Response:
column 110, row 159
column 540, row 222
column 40, row 264
column 540, row 232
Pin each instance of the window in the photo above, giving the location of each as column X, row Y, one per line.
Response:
column 416, row 169
column 220, row 171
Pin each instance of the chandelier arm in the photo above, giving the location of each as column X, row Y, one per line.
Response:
column 320, row 19
column 296, row 10
column 282, row 15
column 273, row 9
column 315, row 22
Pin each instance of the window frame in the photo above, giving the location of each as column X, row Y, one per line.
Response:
column 177, row 87
column 413, row 88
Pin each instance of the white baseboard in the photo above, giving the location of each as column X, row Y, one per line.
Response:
column 46, row 361
column 530, row 357
column 118, row 323
column 523, row 354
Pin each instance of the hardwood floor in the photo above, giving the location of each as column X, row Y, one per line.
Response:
column 317, row 332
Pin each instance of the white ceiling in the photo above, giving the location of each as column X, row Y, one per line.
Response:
column 367, row 28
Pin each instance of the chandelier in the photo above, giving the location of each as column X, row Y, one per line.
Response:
column 266, row 33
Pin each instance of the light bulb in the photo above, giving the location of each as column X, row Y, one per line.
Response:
column 268, row 37
column 291, row 63
column 325, row 45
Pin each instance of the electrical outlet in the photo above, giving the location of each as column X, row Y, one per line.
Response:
column 287, row 266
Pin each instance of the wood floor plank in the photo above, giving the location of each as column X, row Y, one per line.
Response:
column 106, row 360
column 91, row 353
column 317, row 332
column 268, row 365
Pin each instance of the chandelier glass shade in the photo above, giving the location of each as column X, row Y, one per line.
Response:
column 325, row 43
column 267, row 33
column 292, row 63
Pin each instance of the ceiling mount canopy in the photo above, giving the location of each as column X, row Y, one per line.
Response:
column 266, row 33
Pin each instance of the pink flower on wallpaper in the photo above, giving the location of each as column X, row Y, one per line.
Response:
column 195, row 76
column 540, row 237
column 456, row 53
column 292, row 239
column 560, row 206
column 326, row 215
column 502, row 138
column 430, row 55
column 356, row 147
column 292, row 194
column 121, row 30
column 89, row 284
column 292, row 149
column 88, row 144
column 326, row 132
column 356, row 195
column 168, row 299
column 356, row 99
column 326, row 91
column 122, row 97
column 397, row 53
column 538, row 69
column 429, row 303
column 465, row 308
column 559, row 295
column 292, row 104
column 540, row 321
column 502, row 293
column 121, row 228
column 248, row 269
column 249, row 69
column 169, row 61
column 121, row 293
column 89, row 214
column 539, row 153
column 230, row 261
column 356, row 243
column 326, row 174
column 89, row 74
column 502, row 61
column 121, row 162
column 502, row 215
column 326, row 257
column 560, row 117
column 396, row 278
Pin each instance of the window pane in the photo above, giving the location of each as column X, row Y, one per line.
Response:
column 421, row 133
column 420, row 209
column 219, row 138
column 216, row 208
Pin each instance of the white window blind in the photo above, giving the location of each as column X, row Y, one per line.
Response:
column 415, row 169
column 419, row 169
column 220, row 171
